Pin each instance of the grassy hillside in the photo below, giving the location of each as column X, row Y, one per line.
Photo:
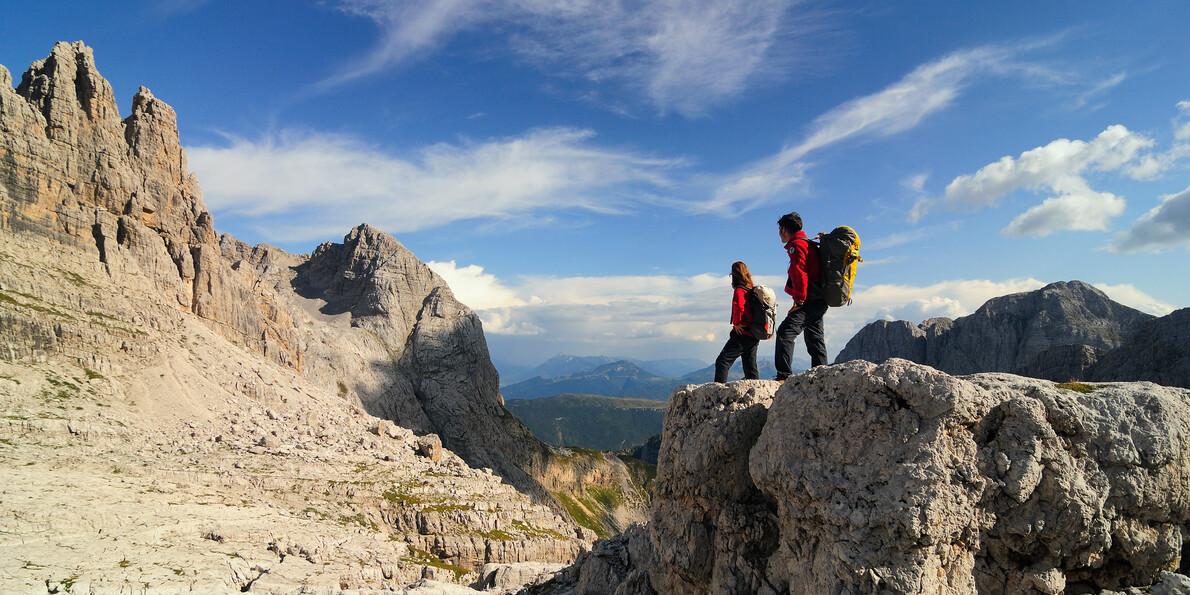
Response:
column 590, row 421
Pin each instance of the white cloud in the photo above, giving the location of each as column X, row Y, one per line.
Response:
column 653, row 317
column 916, row 182
column 950, row 299
column 1057, row 168
column 928, row 89
column 408, row 27
column 1153, row 165
column 908, row 237
column 685, row 55
column 333, row 182
column 1165, row 226
column 1182, row 122
column 1132, row 297
column 477, row 289
column 1076, row 208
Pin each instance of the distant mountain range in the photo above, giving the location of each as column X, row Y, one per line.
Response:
column 562, row 365
column 1063, row 331
column 590, row 421
column 620, row 379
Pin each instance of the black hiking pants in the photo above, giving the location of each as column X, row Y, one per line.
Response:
column 807, row 319
column 738, row 345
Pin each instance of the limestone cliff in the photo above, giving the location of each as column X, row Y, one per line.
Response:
column 901, row 479
column 1062, row 331
column 110, row 256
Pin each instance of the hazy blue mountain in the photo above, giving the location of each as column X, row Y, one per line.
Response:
column 764, row 365
column 626, row 379
column 590, row 421
column 617, row 379
column 674, row 368
column 563, row 365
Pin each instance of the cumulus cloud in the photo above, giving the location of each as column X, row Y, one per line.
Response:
column 684, row 55
column 477, row 289
column 928, row 89
column 1076, row 208
column 1165, row 226
column 1056, row 168
column 1132, row 297
column 331, row 182
column 666, row 316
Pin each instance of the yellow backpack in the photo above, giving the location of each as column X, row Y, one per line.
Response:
column 838, row 256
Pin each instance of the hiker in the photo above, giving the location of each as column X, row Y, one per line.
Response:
column 808, row 305
column 740, row 342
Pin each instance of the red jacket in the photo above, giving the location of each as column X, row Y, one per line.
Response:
column 739, row 310
column 804, row 268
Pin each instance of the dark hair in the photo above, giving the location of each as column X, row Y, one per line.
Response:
column 740, row 276
column 791, row 223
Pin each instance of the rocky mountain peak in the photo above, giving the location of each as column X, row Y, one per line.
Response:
column 114, row 261
column 1063, row 331
column 68, row 91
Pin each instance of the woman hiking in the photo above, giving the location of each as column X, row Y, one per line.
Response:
column 740, row 342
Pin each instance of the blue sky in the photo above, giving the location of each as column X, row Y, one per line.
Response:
column 584, row 173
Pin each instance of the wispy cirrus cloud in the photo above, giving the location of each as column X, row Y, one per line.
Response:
column 681, row 55
column 327, row 183
column 930, row 88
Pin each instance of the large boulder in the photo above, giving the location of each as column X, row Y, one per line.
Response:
column 901, row 479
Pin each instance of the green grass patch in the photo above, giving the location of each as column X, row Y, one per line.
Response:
column 497, row 535
column 92, row 374
column 73, row 277
column 18, row 382
column 5, row 298
column 402, row 497
column 358, row 519
column 448, row 507
column 1078, row 387
column 308, row 511
column 579, row 511
column 418, row 556
column 535, row 533
column 608, row 498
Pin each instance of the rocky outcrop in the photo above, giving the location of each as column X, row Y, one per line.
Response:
column 108, row 253
column 1061, row 332
column 897, row 478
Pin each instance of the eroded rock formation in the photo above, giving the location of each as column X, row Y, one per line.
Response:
column 898, row 478
column 109, row 258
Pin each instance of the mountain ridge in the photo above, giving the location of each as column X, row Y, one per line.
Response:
column 1063, row 331
column 130, row 324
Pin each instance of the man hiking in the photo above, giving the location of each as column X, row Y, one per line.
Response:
column 808, row 305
